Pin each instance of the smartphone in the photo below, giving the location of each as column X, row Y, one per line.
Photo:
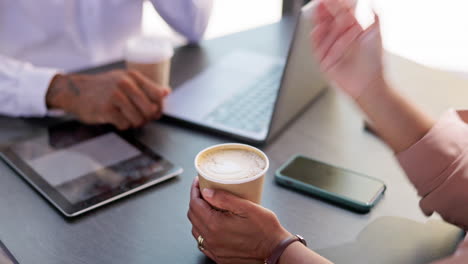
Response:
column 340, row 186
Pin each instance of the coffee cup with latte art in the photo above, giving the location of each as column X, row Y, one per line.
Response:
column 236, row 168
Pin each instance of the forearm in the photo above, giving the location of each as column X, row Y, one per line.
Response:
column 437, row 165
column 399, row 122
column 297, row 253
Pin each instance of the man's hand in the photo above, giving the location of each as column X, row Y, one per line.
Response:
column 243, row 232
column 123, row 98
column 349, row 56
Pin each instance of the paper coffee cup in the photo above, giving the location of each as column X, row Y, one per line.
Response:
column 249, row 188
column 151, row 56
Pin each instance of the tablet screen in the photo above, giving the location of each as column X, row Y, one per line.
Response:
column 82, row 162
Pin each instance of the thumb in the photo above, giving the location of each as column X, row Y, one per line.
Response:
column 376, row 19
column 374, row 29
column 227, row 201
column 376, row 23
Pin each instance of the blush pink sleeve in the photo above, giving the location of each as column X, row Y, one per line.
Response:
column 437, row 165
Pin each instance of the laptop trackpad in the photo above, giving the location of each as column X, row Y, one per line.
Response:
column 235, row 72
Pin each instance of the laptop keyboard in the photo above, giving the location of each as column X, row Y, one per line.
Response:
column 250, row 109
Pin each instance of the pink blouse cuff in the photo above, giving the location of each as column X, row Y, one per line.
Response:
column 426, row 160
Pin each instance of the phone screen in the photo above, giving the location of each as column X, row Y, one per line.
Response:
column 334, row 180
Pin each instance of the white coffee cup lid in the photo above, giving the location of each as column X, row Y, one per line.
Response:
column 148, row 49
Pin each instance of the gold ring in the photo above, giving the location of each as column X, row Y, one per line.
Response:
column 200, row 243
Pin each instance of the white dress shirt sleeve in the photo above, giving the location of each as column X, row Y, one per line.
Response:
column 188, row 17
column 23, row 88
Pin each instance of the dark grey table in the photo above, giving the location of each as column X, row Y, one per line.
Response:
column 152, row 227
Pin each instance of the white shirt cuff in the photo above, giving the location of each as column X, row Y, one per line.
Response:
column 33, row 85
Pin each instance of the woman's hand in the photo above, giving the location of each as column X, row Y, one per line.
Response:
column 243, row 232
column 350, row 56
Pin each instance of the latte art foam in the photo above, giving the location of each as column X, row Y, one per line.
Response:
column 231, row 164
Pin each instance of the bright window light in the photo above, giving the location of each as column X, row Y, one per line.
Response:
column 431, row 32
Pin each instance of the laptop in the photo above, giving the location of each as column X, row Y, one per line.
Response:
column 251, row 96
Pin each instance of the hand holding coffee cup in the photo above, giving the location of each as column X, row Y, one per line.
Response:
column 237, row 168
column 151, row 56
column 230, row 179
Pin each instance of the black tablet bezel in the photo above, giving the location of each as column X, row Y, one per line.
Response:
column 65, row 206
column 8, row 253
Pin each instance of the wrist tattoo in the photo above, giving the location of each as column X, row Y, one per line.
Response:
column 72, row 86
column 60, row 92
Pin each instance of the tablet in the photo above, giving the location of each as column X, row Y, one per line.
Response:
column 5, row 256
column 79, row 168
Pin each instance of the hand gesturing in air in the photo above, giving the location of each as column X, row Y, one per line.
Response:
column 349, row 55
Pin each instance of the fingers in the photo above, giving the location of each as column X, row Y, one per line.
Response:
column 128, row 110
column 318, row 34
column 339, row 49
column 198, row 208
column 195, row 189
column 227, row 201
column 117, row 119
column 376, row 20
column 198, row 214
column 335, row 7
column 153, row 91
column 196, row 182
column 327, row 33
column 335, row 31
column 136, row 105
column 196, row 221
column 321, row 14
column 153, row 87
column 206, row 245
column 375, row 27
column 139, row 100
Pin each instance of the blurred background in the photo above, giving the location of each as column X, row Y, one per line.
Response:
column 229, row 16
column 430, row 32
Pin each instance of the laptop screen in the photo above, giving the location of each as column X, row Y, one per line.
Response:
column 302, row 80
